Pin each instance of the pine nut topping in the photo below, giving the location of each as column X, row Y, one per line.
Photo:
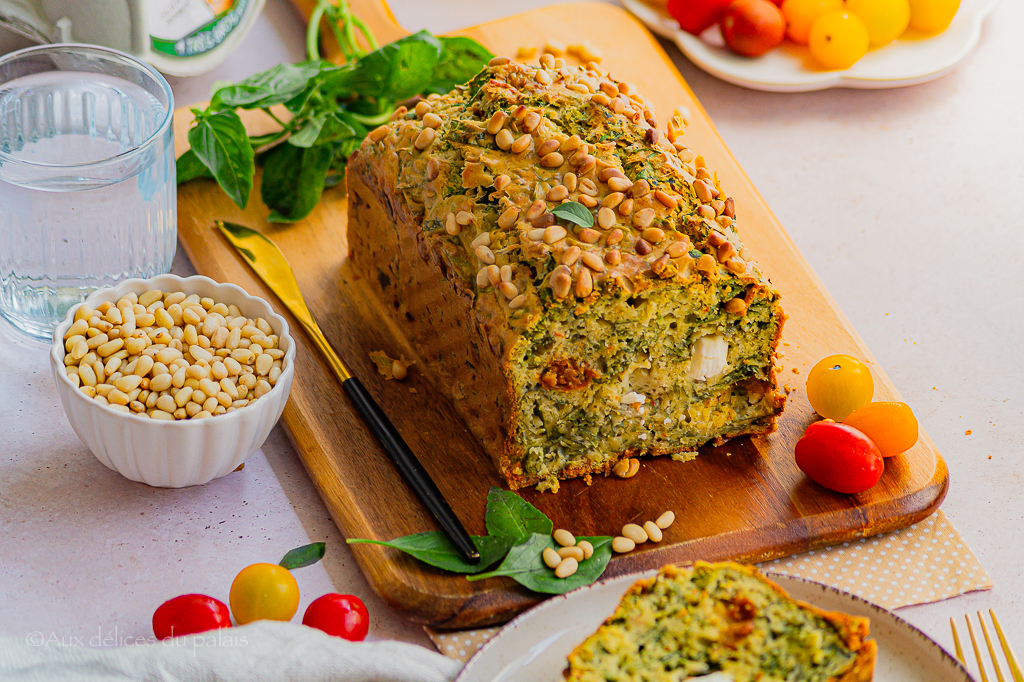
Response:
column 665, row 520
column 654, row 235
column 501, row 182
column 496, row 122
column 554, row 233
column 483, row 253
column 653, row 532
column 703, row 191
column 570, row 181
column 613, row 199
column 432, row 120
column 613, row 257
column 570, row 255
column 564, row 537
column 508, row 218
column 504, row 139
column 552, row 160
column 644, row 217
column 498, row 61
column 543, row 77
column 521, row 144
column 584, row 284
column 484, row 239
column 425, row 138
column 619, row 184
column 593, row 261
column 634, row 533
column 643, row 247
column 557, row 193
column 517, row 302
column 551, row 558
column 706, row 212
column 587, row 547
column 574, row 552
column 606, row 217
column 736, row 265
column 531, row 121
column 614, row 237
column 463, row 217
column 451, row 226
column 621, row 545
column 567, row 568
column 589, row 235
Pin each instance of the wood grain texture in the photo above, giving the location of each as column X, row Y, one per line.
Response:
column 745, row 500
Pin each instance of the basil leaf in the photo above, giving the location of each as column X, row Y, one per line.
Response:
column 267, row 88
column 526, row 566
column 461, row 59
column 395, row 72
column 307, row 555
column 293, row 180
column 575, row 213
column 189, row 167
column 321, row 129
column 512, row 516
column 434, row 548
column 220, row 141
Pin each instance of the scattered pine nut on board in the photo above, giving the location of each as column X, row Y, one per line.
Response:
column 745, row 500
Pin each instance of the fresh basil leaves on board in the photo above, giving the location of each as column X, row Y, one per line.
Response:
column 518, row 534
column 330, row 109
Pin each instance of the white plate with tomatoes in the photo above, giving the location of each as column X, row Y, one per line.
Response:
column 912, row 58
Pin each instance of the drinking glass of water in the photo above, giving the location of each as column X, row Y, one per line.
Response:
column 87, row 183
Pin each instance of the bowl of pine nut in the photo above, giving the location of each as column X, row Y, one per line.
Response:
column 173, row 381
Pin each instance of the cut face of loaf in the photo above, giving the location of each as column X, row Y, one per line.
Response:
column 565, row 347
column 721, row 622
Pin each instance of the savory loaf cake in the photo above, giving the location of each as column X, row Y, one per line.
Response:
column 722, row 622
column 572, row 276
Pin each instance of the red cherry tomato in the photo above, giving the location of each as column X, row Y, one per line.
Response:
column 696, row 16
column 752, row 27
column 839, row 457
column 189, row 614
column 341, row 615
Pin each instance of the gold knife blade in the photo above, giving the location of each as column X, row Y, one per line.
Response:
column 270, row 265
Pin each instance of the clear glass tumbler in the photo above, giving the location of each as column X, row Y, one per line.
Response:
column 87, row 182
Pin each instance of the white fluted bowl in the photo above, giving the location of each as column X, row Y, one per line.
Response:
column 175, row 454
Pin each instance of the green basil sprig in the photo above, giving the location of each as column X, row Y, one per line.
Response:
column 525, row 565
column 331, row 108
column 307, row 555
column 574, row 212
column 518, row 532
column 434, row 548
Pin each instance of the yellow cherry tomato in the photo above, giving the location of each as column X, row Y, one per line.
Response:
column 800, row 14
column 892, row 426
column 886, row 20
column 838, row 39
column 838, row 385
column 932, row 16
column 264, row 592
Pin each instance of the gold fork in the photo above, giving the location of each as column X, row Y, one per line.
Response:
column 1011, row 660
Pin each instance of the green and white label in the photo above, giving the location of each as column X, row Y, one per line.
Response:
column 186, row 28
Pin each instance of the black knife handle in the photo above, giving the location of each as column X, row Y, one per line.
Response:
column 410, row 468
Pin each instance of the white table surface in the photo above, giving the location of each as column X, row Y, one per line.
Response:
column 906, row 202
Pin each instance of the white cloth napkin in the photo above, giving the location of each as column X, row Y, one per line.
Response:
column 265, row 650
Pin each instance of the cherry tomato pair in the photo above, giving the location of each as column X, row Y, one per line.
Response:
column 262, row 592
column 749, row 27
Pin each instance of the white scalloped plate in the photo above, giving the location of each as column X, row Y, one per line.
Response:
column 534, row 646
column 909, row 60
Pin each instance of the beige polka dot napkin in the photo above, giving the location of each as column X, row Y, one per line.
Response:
column 923, row 563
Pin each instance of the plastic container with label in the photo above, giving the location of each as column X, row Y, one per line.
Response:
column 178, row 37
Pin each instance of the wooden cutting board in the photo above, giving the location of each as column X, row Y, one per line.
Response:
column 745, row 500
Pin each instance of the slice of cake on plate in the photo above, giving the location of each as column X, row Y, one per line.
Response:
column 721, row 622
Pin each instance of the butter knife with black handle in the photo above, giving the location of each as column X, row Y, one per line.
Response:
column 270, row 265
